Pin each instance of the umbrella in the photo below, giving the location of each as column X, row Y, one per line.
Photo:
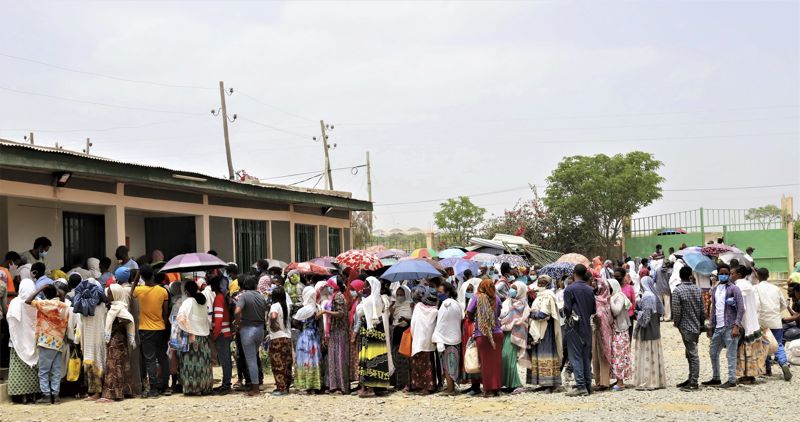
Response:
column 557, row 270
column 308, row 268
column 392, row 253
column 700, row 263
column 388, row 262
column 359, row 260
column 191, row 262
column 424, row 253
column 513, row 260
column 483, row 257
column 376, row 249
column 272, row 263
column 451, row 253
column 325, row 261
column 460, row 265
column 411, row 269
column 717, row 249
column 574, row 258
column 690, row 249
column 728, row 256
column 469, row 255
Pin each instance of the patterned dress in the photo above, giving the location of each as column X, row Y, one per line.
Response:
column 196, row 376
column 422, row 372
column 621, row 356
column 338, row 359
column 309, row 356
column 545, row 364
column 22, row 379
column 280, row 358
column 117, row 377
column 373, row 362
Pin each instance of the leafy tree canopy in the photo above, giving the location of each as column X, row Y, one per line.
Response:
column 459, row 219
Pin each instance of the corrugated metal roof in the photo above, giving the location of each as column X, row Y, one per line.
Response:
column 338, row 194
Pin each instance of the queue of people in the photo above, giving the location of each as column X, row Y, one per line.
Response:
column 137, row 332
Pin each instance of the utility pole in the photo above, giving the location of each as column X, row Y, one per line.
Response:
column 88, row 146
column 225, row 129
column 369, row 190
column 328, row 178
column 31, row 138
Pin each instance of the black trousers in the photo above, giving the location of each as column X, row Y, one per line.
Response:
column 154, row 352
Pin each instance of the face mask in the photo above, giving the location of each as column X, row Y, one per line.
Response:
column 442, row 297
column 511, row 278
column 468, row 295
column 512, row 293
column 724, row 278
column 330, row 290
column 42, row 254
column 353, row 294
column 401, row 299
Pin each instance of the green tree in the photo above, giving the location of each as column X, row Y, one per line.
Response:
column 459, row 219
column 361, row 228
column 591, row 196
column 765, row 215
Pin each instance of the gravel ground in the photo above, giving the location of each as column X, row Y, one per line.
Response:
column 768, row 400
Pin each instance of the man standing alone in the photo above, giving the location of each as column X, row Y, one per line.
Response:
column 579, row 306
column 688, row 316
column 727, row 311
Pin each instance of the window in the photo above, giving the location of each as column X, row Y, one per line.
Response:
column 334, row 241
column 251, row 242
column 84, row 236
column 305, row 242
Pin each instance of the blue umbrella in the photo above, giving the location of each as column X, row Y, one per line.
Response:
column 460, row 265
column 451, row 253
column 700, row 263
column 412, row 269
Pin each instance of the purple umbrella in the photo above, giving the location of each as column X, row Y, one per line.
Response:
column 460, row 265
column 411, row 269
column 191, row 262
column 325, row 261
column 392, row 253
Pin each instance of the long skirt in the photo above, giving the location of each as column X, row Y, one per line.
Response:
column 401, row 375
column 601, row 368
column 649, row 365
column 451, row 362
column 309, row 357
column 280, row 357
column 373, row 362
column 491, row 359
column 751, row 358
column 621, row 356
column 355, row 350
column 117, row 377
column 339, row 360
column 545, row 364
column 94, row 378
column 22, row 379
column 422, row 378
column 466, row 333
column 196, row 376
column 510, row 358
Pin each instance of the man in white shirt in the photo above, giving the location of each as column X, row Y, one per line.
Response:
column 771, row 305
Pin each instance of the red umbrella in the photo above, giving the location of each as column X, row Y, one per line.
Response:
column 469, row 255
column 359, row 260
column 308, row 268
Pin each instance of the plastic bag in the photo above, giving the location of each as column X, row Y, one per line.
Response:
column 472, row 363
column 405, row 343
column 74, row 366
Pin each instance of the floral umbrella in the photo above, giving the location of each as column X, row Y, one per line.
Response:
column 718, row 249
column 424, row 253
column 574, row 258
column 308, row 268
column 359, row 260
column 513, row 260
column 376, row 249
column 557, row 270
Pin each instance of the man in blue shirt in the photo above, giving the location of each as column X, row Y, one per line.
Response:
column 579, row 306
column 38, row 272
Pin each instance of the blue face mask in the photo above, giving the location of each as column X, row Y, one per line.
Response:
column 724, row 278
column 42, row 253
column 353, row 294
column 468, row 295
column 512, row 293
column 442, row 297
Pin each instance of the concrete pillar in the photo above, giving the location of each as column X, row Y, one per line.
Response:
column 202, row 233
column 115, row 227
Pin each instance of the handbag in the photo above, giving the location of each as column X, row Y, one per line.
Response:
column 773, row 343
column 405, row 343
column 74, row 366
column 472, row 363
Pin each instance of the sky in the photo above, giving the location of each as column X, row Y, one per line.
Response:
column 451, row 98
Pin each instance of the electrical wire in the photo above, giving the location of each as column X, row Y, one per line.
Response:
column 313, row 172
column 288, row 113
column 102, row 75
column 305, row 180
column 99, row 103
column 299, row 135
column 108, row 129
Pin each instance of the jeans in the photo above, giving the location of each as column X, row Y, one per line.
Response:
column 579, row 350
column 50, row 362
column 722, row 338
column 780, row 355
column 155, row 358
column 252, row 336
column 223, row 345
column 690, row 344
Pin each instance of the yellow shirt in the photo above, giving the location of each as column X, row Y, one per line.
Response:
column 151, row 302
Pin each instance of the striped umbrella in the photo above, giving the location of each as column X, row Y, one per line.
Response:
column 424, row 253
column 359, row 260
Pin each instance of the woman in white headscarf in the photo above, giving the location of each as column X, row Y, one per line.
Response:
column 119, row 333
column 375, row 360
column 308, row 352
column 401, row 318
column 621, row 342
column 465, row 293
column 650, row 373
column 546, row 351
column 23, row 373
column 514, row 321
column 192, row 319
column 447, row 337
column 423, row 322
column 93, row 266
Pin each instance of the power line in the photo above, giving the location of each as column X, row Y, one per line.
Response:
column 102, row 75
column 305, row 180
column 99, row 103
column 103, row 129
column 288, row 113
column 300, row 135
column 314, row 172
column 731, row 188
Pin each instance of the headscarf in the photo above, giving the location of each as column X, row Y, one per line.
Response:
column 264, row 284
column 119, row 309
column 423, row 323
column 486, row 309
column 87, row 295
column 619, row 306
column 400, row 309
column 376, row 309
column 430, row 297
column 122, row 274
column 649, row 303
column 22, row 323
column 597, row 263
column 309, row 308
column 547, row 303
column 462, row 292
column 605, row 319
column 157, row 255
column 93, row 266
column 56, row 274
column 358, row 287
column 514, row 316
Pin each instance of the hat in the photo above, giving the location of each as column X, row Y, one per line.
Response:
column 122, row 274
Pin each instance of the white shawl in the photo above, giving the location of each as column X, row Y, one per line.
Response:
column 376, row 308
column 119, row 309
column 462, row 292
column 22, row 324
column 751, row 304
column 400, row 309
column 309, row 308
column 423, row 322
column 193, row 317
column 545, row 302
column 448, row 323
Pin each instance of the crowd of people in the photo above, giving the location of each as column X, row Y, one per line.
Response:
column 107, row 335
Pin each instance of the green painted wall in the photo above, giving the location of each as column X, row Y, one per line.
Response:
column 643, row 246
column 771, row 246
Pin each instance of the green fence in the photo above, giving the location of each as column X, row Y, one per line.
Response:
column 695, row 227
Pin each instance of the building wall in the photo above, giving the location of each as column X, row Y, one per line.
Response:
column 221, row 229
column 134, row 231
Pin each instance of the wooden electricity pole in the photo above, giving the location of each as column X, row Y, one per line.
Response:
column 88, row 146
column 225, row 129
column 369, row 190
column 327, row 170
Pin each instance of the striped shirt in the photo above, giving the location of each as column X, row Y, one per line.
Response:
column 222, row 317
